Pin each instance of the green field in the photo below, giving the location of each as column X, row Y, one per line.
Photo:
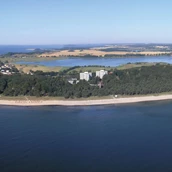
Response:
column 27, row 68
column 135, row 65
column 29, row 58
column 122, row 67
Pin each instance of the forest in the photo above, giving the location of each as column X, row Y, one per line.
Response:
column 135, row 81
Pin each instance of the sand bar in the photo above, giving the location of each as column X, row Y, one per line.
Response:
column 84, row 102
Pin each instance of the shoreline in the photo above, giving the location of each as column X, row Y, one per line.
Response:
column 112, row 101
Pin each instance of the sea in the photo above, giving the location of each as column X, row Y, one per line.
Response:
column 4, row 49
column 111, row 138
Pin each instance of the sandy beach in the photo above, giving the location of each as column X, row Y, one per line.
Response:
column 84, row 102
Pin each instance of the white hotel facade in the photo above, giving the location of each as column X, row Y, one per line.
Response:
column 101, row 73
column 85, row 75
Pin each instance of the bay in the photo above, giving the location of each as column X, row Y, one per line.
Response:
column 134, row 137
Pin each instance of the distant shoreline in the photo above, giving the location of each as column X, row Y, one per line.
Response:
column 114, row 101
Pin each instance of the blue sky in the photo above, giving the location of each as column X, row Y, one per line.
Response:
column 85, row 21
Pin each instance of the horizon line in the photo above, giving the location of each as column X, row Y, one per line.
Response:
column 80, row 44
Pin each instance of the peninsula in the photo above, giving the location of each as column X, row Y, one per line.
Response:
column 77, row 87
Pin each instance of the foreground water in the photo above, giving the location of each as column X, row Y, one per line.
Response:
column 80, row 61
column 99, row 138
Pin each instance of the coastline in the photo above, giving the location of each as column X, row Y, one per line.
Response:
column 114, row 101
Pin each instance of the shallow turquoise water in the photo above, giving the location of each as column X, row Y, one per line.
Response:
column 97, row 138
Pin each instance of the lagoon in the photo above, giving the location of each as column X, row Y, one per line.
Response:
column 86, row 61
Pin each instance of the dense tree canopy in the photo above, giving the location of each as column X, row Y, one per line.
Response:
column 144, row 80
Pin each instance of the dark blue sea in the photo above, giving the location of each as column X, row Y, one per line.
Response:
column 123, row 138
column 29, row 48
column 25, row 48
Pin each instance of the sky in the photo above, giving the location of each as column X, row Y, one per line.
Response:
column 31, row 22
